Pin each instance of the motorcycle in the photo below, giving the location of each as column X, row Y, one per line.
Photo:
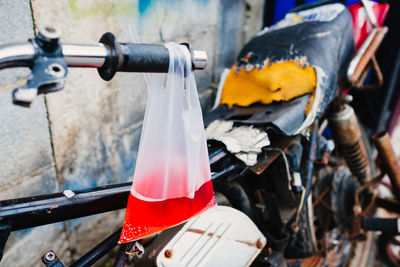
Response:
column 287, row 150
column 291, row 166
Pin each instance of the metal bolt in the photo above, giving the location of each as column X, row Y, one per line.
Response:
column 49, row 32
column 199, row 59
column 49, row 256
column 168, row 253
column 48, row 38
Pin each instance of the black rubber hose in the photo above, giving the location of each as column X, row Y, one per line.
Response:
column 312, row 152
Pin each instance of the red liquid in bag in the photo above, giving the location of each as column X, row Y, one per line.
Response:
column 143, row 218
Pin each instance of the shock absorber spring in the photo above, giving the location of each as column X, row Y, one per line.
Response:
column 347, row 134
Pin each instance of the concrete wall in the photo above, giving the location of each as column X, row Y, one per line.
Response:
column 88, row 134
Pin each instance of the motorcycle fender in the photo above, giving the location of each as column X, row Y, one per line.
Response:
column 221, row 236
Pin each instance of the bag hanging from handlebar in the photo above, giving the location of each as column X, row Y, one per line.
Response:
column 172, row 179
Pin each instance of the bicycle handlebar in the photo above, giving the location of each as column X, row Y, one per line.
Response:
column 138, row 57
column 49, row 60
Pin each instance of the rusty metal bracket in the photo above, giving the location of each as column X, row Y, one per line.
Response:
column 358, row 67
column 360, row 84
column 357, row 206
column 359, row 212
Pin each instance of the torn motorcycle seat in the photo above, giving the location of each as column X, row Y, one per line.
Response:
column 286, row 76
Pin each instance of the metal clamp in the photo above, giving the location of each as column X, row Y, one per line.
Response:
column 49, row 68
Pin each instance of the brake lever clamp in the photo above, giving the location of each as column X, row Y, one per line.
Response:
column 49, row 68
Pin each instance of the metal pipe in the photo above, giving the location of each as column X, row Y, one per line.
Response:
column 22, row 55
column 16, row 55
column 41, row 210
column 92, row 56
column 357, row 58
column 389, row 160
column 99, row 251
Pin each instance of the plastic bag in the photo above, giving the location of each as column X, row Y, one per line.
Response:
column 172, row 180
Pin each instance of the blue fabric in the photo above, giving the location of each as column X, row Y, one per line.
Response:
column 282, row 7
column 350, row 2
column 311, row 1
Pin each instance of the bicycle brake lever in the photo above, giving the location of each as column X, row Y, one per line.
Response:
column 49, row 68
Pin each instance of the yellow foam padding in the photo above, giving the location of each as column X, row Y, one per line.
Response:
column 281, row 81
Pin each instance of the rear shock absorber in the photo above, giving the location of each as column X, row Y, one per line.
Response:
column 347, row 134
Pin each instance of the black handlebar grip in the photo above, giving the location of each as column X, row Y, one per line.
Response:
column 387, row 225
column 143, row 58
column 131, row 57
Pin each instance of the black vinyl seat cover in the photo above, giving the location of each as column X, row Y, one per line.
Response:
column 325, row 45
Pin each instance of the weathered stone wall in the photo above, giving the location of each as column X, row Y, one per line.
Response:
column 88, row 134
